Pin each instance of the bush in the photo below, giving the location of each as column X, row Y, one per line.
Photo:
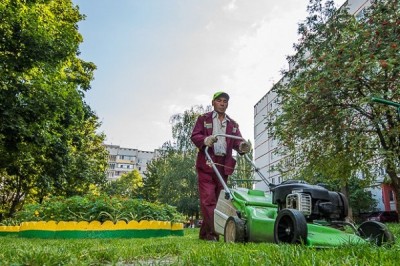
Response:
column 96, row 208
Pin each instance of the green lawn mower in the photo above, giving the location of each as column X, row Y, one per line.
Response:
column 293, row 212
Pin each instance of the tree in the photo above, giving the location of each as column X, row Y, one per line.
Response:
column 182, row 126
column 128, row 185
column 327, row 123
column 48, row 139
column 360, row 199
column 171, row 178
column 178, row 186
column 151, row 184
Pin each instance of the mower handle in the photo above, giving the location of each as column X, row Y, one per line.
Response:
column 228, row 194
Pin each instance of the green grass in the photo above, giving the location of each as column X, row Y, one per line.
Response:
column 186, row 250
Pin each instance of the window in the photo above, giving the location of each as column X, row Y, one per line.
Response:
column 126, row 157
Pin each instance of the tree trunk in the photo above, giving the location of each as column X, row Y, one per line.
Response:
column 390, row 170
column 345, row 191
column 14, row 203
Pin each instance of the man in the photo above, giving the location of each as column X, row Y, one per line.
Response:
column 220, row 150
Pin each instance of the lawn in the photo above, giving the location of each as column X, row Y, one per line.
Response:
column 186, row 250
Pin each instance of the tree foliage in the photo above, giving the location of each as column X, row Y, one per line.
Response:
column 171, row 178
column 151, row 184
column 48, row 139
column 127, row 186
column 178, row 186
column 327, row 122
column 360, row 200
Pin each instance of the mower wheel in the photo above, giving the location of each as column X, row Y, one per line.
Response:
column 234, row 230
column 375, row 232
column 290, row 227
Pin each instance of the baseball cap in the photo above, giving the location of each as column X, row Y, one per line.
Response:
column 220, row 94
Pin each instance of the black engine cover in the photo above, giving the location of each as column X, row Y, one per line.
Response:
column 326, row 204
column 281, row 191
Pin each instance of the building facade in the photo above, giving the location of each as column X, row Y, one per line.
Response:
column 265, row 146
column 124, row 160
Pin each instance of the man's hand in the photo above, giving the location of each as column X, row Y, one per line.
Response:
column 244, row 147
column 210, row 140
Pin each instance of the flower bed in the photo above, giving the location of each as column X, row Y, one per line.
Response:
column 9, row 230
column 94, row 216
column 94, row 229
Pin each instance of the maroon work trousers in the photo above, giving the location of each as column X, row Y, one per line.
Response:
column 209, row 190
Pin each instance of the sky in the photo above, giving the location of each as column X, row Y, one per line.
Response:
column 157, row 58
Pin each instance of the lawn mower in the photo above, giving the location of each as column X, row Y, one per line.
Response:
column 292, row 212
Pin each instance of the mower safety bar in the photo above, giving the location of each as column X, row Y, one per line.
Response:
column 270, row 185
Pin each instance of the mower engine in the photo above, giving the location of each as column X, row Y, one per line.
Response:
column 314, row 201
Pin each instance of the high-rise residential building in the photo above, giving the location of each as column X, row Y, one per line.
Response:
column 264, row 145
column 123, row 160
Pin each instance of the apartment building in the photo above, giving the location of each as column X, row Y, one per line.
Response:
column 124, row 160
column 265, row 146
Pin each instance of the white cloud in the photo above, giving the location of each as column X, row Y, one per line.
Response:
column 231, row 6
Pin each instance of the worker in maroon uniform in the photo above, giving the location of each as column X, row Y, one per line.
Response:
column 220, row 150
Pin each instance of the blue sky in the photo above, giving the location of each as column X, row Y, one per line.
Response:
column 156, row 58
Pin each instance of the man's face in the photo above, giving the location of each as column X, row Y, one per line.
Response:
column 220, row 104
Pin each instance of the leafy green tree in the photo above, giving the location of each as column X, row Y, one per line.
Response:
column 178, row 186
column 327, row 122
column 48, row 140
column 128, row 185
column 171, row 178
column 361, row 200
column 182, row 126
column 151, row 184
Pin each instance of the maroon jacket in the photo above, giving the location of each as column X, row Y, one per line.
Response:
column 202, row 129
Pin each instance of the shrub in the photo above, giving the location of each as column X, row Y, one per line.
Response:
column 96, row 208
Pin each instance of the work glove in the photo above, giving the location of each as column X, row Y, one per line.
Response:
column 244, row 147
column 210, row 140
